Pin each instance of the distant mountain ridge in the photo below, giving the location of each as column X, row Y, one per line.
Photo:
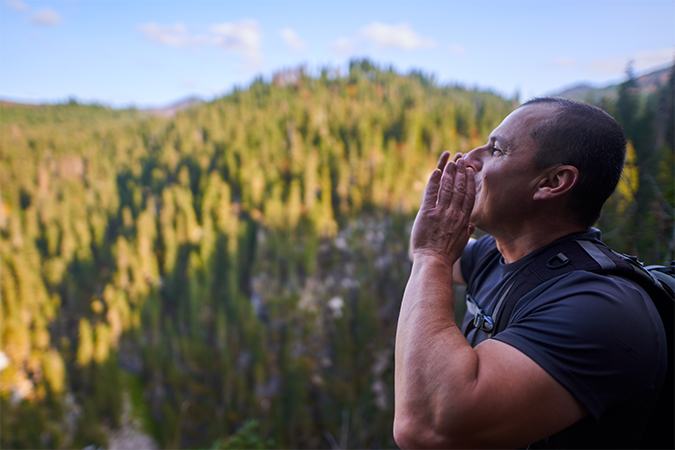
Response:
column 646, row 84
column 582, row 91
column 169, row 110
column 172, row 109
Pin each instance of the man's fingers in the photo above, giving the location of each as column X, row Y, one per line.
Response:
column 459, row 185
column 457, row 156
column 445, row 192
column 470, row 196
column 456, row 187
column 443, row 160
column 431, row 192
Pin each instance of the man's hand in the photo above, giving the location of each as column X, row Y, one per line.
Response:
column 442, row 229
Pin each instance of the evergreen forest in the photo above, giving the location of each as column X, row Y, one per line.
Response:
column 230, row 276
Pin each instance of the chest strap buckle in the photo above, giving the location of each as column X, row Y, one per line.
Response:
column 484, row 322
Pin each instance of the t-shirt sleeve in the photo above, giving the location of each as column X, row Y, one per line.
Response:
column 592, row 334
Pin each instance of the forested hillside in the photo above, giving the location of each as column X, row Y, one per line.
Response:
column 240, row 265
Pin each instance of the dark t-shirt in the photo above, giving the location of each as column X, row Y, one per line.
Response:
column 599, row 336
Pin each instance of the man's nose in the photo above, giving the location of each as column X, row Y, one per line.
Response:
column 473, row 159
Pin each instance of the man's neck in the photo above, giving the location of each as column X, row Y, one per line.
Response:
column 518, row 245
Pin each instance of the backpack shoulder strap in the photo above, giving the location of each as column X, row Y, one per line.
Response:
column 580, row 252
column 481, row 320
column 557, row 259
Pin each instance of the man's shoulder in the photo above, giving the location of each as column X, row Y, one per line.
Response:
column 591, row 304
column 592, row 290
column 585, row 279
column 583, row 325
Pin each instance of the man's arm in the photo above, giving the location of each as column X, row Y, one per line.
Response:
column 448, row 394
column 457, row 277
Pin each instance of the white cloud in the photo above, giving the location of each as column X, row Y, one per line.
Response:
column 641, row 60
column 395, row 36
column 46, row 16
column 651, row 58
column 343, row 46
column 174, row 35
column 16, row 4
column 242, row 37
column 563, row 62
column 292, row 39
column 608, row 65
column 457, row 49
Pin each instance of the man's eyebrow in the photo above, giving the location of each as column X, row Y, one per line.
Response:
column 501, row 140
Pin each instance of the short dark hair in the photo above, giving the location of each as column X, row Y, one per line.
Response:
column 587, row 138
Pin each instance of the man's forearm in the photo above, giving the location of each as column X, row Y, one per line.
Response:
column 435, row 365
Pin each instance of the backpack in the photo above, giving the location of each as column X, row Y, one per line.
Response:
column 582, row 251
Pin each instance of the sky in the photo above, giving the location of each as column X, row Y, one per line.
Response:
column 147, row 53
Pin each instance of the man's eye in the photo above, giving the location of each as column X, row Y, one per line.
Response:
column 496, row 150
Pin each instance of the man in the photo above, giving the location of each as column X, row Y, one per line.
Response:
column 582, row 361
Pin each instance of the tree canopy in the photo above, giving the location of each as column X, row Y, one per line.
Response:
column 234, row 272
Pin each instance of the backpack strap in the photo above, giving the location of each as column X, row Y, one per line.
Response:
column 481, row 320
column 580, row 252
column 554, row 260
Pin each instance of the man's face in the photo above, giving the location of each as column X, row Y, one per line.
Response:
column 506, row 178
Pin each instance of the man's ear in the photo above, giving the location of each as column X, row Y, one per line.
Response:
column 556, row 182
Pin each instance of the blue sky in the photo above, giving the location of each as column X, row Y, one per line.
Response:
column 152, row 53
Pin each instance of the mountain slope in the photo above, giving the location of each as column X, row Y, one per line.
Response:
column 646, row 84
